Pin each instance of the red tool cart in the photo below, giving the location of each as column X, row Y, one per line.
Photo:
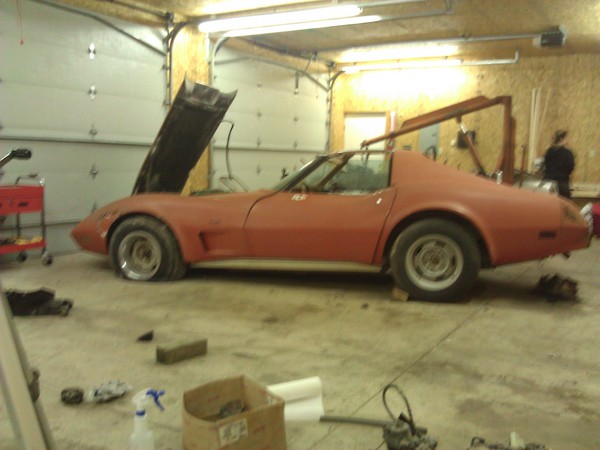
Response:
column 17, row 200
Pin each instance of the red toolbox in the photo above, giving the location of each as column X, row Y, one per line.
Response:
column 16, row 200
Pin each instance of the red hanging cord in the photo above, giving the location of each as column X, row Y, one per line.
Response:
column 20, row 19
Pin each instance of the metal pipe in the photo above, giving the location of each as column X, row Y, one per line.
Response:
column 356, row 421
column 137, row 8
column 72, row 140
column 273, row 63
column 490, row 62
column 102, row 21
column 452, row 40
column 387, row 3
column 246, row 147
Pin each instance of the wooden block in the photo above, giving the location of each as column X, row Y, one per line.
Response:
column 398, row 295
column 178, row 351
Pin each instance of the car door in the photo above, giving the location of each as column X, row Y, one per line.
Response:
column 335, row 213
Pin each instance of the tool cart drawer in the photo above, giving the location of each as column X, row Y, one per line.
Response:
column 20, row 199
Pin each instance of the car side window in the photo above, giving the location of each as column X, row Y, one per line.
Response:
column 348, row 174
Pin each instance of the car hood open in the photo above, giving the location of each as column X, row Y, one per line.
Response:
column 186, row 131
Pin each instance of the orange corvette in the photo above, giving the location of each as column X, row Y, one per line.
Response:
column 432, row 226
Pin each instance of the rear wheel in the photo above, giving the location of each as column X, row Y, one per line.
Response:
column 144, row 249
column 435, row 260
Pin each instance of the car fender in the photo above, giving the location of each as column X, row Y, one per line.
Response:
column 510, row 222
column 194, row 221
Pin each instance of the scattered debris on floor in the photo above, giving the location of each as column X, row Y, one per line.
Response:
column 109, row 391
column 516, row 443
column 179, row 351
column 103, row 393
column 146, row 337
column 555, row 287
column 71, row 396
column 401, row 433
column 37, row 303
column 231, row 408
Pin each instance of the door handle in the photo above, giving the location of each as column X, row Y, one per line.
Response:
column 379, row 200
column 298, row 197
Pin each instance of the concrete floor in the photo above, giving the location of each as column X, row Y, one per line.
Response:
column 504, row 360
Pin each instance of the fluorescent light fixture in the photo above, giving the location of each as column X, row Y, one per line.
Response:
column 394, row 52
column 302, row 26
column 284, row 18
column 404, row 65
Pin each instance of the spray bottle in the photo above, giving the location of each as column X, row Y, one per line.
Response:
column 141, row 438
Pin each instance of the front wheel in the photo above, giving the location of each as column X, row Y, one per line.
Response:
column 144, row 249
column 435, row 260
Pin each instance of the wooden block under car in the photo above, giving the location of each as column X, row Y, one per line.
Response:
column 178, row 351
column 398, row 295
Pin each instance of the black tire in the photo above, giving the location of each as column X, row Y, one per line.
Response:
column 144, row 249
column 435, row 260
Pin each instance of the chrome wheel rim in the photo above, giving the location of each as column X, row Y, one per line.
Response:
column 434, row 262
column 139, row 255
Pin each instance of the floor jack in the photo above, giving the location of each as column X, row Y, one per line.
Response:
column 401, row 433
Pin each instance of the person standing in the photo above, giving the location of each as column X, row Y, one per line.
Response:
column 559, row 163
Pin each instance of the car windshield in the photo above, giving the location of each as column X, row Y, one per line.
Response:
column 306, row 167
column 343, row 173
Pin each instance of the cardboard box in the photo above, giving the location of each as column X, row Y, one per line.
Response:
column 259, row 426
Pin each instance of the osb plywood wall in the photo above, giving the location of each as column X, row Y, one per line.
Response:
column 569, row 86
column 189, row 61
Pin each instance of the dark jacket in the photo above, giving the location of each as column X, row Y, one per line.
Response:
column 559, row 163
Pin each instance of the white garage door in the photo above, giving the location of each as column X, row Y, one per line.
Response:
column 86, row 99
column 280, row 119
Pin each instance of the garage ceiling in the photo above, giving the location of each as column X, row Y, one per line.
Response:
column 474, row 29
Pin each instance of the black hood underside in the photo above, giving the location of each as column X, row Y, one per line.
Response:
column 187, row 130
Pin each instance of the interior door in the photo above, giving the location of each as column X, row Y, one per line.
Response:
column 318, row 226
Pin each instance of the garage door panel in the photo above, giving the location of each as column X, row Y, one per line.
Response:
column 40, row 109
column 42, row 24
column 269, row 114
column 105, row 72
column 71, row 115
column 72, row 190
column 136, row 119
column 151, row 86
column 245, row 132
column 46, row 106
column 258, row 168
column 277, row 133
column 43, row 65
column 273, row 102
column 312, row 109
column 309, row 137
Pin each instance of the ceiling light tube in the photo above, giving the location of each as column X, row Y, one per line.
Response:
column 404, row 65
column 301, row 26
column 430, row 64
column 266, row 20
column 391, row 52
